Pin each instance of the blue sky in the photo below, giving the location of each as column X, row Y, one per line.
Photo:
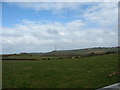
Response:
column 37, row 27
column 12, row 14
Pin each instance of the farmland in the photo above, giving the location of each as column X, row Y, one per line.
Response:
column 60, row 54
column 88, row 72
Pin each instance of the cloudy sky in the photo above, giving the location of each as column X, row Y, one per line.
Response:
column 39, row 26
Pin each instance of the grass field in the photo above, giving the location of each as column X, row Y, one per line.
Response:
column 89, row 72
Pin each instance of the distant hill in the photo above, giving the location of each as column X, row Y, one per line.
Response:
column 63, row 53
column 83, row 51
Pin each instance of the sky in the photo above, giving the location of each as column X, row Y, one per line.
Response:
column 39, row 26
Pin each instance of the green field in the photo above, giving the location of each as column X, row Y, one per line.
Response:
column 89, row 72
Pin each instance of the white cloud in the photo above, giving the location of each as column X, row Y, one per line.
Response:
column 104, row 14
column 54, row 6
column 28, row 37
column 41, row 36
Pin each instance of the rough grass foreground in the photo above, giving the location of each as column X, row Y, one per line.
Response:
column 90, row 72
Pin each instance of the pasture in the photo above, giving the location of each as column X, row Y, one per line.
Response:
column 89, row 72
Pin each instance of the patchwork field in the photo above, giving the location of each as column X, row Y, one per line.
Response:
column 89, row 72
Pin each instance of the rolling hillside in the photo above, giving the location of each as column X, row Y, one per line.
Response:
column 83, row 51
column 61, row 54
